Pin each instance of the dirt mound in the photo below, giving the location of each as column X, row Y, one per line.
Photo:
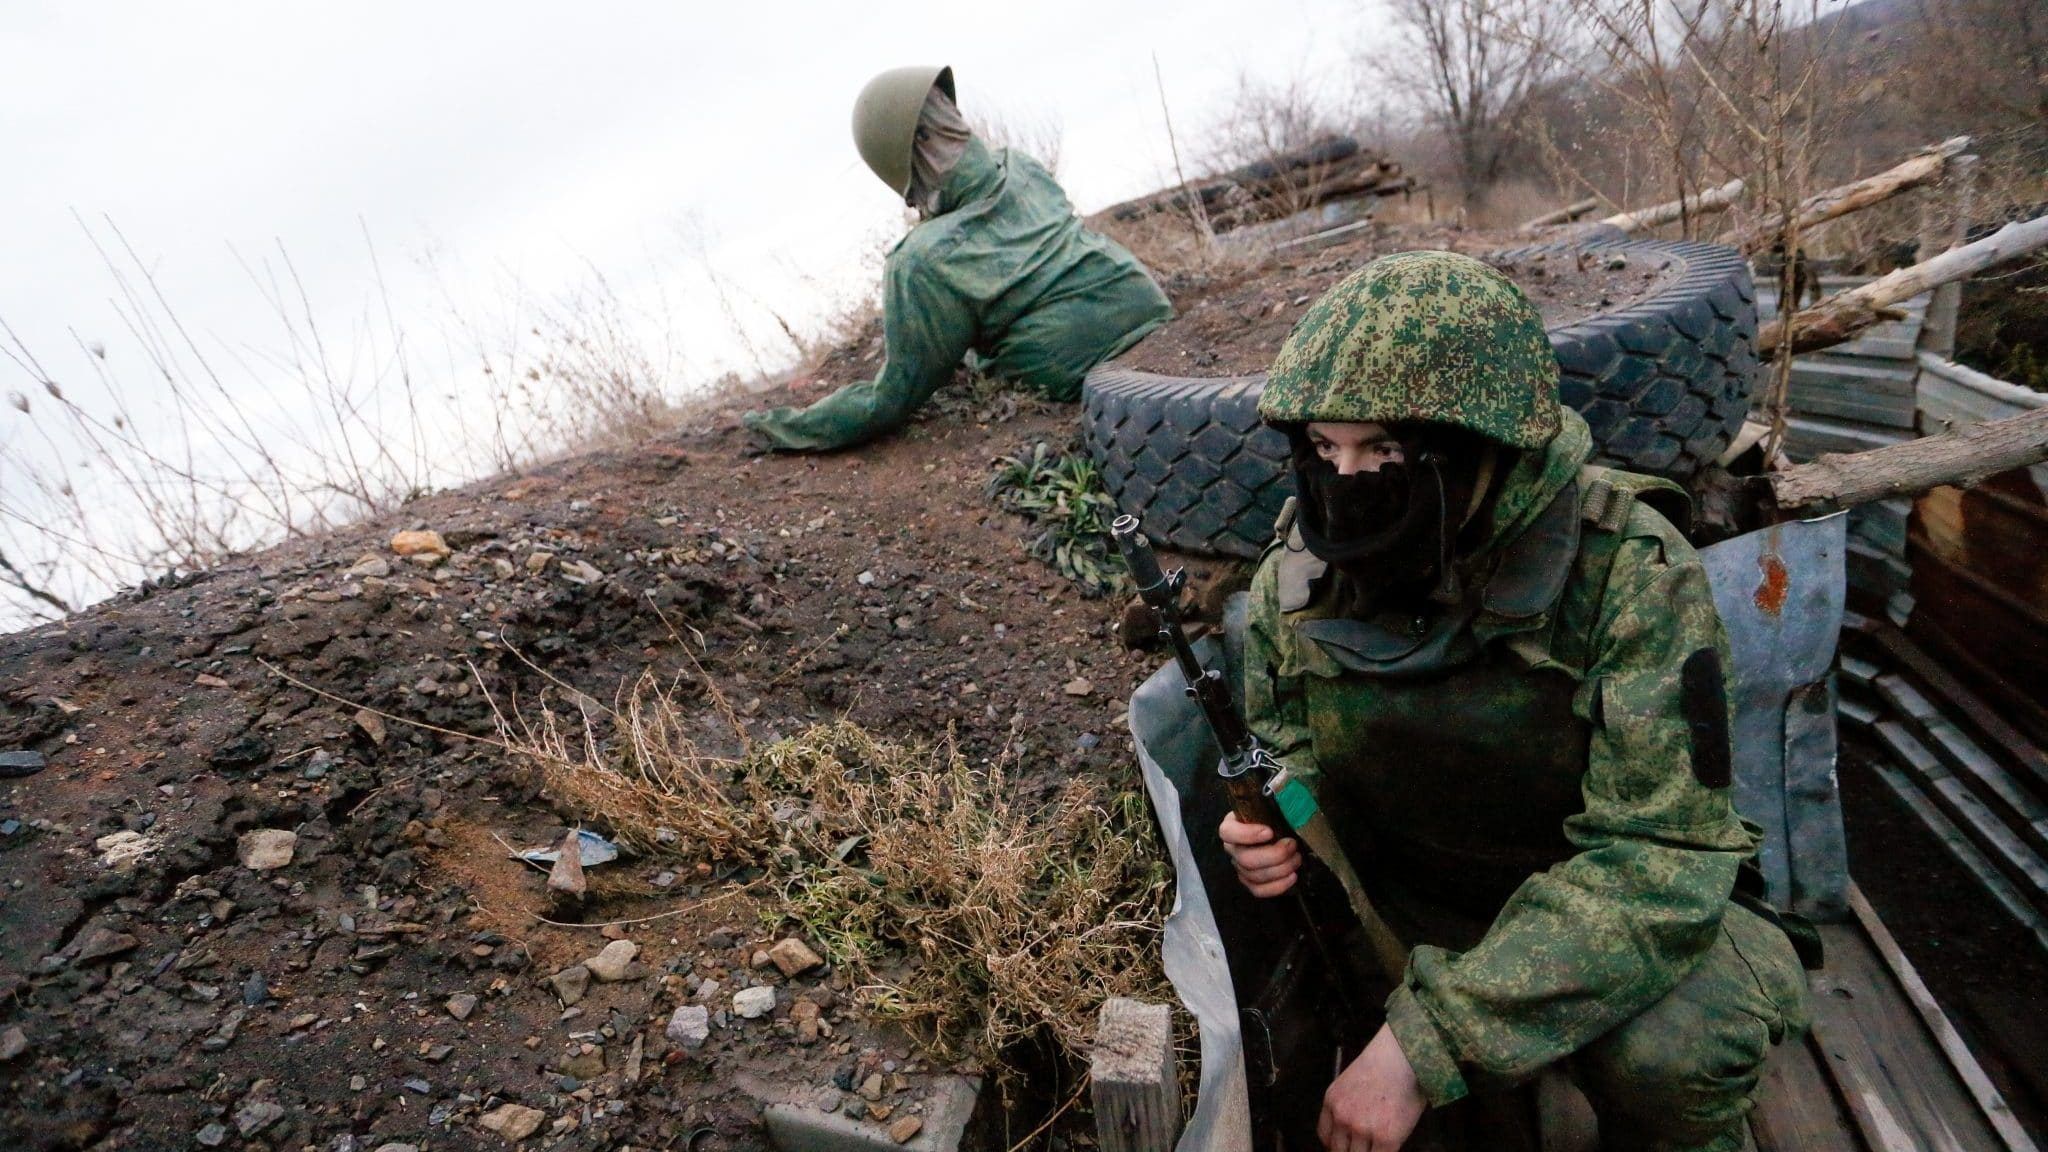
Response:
column 394, row 982
column 1234, row 326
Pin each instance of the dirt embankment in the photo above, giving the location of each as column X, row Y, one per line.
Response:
column 1232, row 325
column 391, row 983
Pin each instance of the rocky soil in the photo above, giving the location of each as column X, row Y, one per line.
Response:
column 261, row 895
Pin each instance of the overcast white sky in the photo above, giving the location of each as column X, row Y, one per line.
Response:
column 529, row 137
column 534, row 142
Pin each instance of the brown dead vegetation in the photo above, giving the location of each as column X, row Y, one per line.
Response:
column 972, row 911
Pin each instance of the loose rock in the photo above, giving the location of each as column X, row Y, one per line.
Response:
column 690, row 1025
column 370, row 565
column 266, row 849
column 615, row 962
column 905, row 1128
column 567, row 875
column 101, row 943
column 513, row 1121
column 13, row 1042
column 571, row 983
column 1079, row 686
column 461, row 1005
column 372, row 725
column 754, row 1003
column 420, row 543
column 255, row 1115
column 793, row 957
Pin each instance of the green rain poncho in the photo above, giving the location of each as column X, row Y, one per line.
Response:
column 1005, row 270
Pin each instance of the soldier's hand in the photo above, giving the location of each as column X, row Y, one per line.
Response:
column 1265, row 865
column 1374, row 1104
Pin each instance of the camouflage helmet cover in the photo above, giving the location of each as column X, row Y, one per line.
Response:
column 885, row 119
column 1420, row 336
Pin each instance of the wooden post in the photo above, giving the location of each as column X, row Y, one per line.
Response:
column 1945, row 225
column 1134, row 1079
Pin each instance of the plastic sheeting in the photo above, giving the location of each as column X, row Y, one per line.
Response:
column 1167, row 726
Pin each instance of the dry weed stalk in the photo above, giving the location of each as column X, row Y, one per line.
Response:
column 974, row 917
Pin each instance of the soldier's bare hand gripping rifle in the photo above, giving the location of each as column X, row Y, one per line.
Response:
column 1250, row 774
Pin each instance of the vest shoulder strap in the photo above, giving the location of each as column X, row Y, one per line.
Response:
column 1608, row 495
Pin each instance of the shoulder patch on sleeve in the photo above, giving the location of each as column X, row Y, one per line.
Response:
column 1703, row 701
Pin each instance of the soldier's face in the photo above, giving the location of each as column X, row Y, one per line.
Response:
column 1354, row 448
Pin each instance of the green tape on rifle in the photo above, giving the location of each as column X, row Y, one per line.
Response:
column 1296, row 802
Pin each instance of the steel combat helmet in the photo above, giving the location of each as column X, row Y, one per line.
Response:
column 885, row 119
column 1420, row 336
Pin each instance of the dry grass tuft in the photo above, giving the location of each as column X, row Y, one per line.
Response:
column 973, row 917
column 1174, row 248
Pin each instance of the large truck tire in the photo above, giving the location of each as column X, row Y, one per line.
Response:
column 1663, row 382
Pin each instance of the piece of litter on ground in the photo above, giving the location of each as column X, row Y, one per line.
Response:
column 593, row 850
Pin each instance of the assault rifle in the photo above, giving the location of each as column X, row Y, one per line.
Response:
column 1253, row 778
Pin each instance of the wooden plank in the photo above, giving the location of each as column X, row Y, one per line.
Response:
column 2004, row 740
column 2016, row 398
column 1893, row 1077
column 1874, row 376
column 1963, row 851
column 2021, row 863
column 1882, row 524
column 1838, row 403
column 1999, row 839
column 2027, row 814
column 1856, row 713
column 2020, row 809
column 1133, row 1078
column 1856, row 670
column 1876, row 572
column 1796, row 1107
column 1810, row 436
column 1960, row 1058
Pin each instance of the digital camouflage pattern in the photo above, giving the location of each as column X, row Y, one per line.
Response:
column 1632, row 905
column 1005, row 270
column 1420, row 336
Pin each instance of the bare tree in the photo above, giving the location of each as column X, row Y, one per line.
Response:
column 1474, row 67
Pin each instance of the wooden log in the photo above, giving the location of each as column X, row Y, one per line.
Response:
column 1988, row 1098
column 1960, row 458
column 1840, row 316
column 1925, row 167
column 1705, row 204
column 1940, row 231
column 1564, row 215
column 1294, row 175
column 1133, row 1079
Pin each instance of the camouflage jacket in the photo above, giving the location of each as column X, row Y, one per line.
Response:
column 1646, row 850
column 1005, row 270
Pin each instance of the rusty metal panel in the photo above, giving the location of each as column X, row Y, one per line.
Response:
column 1780, row 594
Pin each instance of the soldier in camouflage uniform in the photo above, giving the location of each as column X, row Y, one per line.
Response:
column 1498, row 671
column 1000, row 267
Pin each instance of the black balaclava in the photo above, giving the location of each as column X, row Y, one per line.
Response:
column 1393, row 533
